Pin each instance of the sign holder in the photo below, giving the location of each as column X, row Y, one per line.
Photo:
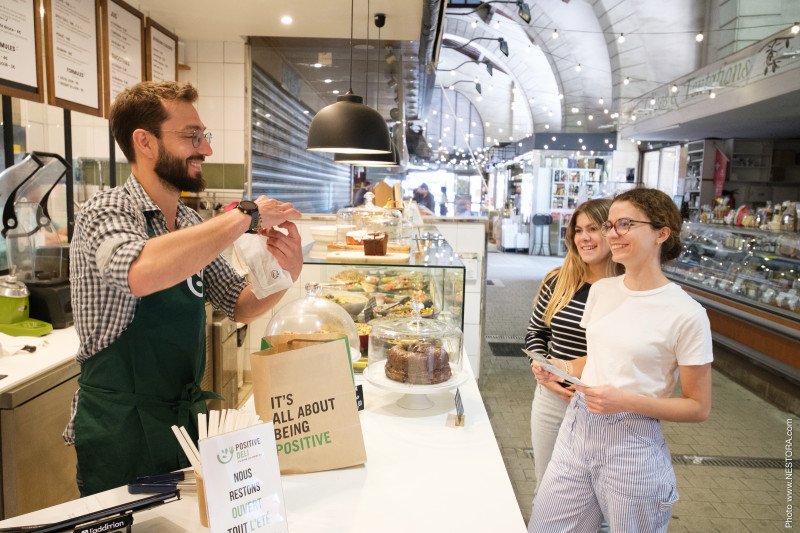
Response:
column 161, row 53
column 123, row 49
column 72, row 44
column 21, row 57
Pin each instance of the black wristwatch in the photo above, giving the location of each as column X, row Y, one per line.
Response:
column 250, row 208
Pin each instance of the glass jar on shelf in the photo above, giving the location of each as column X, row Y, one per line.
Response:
column 353, row 223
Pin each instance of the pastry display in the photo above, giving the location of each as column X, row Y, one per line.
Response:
column 755, row 266
column 419, row 363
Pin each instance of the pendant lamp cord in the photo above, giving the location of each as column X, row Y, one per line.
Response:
column 352, row 3
column 366, row 75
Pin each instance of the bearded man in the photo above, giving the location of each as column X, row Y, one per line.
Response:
column 142, row 266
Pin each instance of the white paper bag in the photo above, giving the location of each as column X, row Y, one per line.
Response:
column 266, row 273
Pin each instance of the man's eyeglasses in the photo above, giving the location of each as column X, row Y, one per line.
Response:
column 196, row 136
column 622, row 225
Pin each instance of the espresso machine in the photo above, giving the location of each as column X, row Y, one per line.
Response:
column 37, row 252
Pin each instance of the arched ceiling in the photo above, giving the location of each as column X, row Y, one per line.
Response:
column 659, row 46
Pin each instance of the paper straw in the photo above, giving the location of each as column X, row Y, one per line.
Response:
column 191, row 445
column 212, row 423
column 223, row 415
column 202, row 428
column 188, row 451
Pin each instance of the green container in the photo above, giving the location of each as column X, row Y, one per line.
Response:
column 14, row 303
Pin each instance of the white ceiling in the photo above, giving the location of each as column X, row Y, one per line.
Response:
column 659, row 47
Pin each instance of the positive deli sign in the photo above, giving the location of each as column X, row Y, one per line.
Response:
column 242, row 481
column 764, row 60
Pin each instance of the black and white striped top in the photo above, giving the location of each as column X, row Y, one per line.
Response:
column 566, row 337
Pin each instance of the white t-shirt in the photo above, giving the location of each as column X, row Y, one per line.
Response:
column 637, row 339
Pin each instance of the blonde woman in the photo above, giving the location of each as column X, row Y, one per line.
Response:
column 643, row 333
column 554, row 329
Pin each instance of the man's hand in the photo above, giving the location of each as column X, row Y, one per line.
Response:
column 286, row 248
column 273, row 212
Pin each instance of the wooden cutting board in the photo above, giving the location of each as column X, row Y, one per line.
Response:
column 359, row 257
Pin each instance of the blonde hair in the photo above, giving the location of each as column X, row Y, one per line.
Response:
column 571, row 276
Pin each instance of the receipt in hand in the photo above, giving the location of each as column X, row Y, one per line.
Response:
column 550, row 367
column 266, row 274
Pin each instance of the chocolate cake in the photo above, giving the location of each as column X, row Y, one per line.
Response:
column 419, row 363
column 376, row 243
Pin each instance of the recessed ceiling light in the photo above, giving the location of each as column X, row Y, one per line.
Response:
column 335, row 91
column 328, row 80
column 286, row 19
column 317, row 65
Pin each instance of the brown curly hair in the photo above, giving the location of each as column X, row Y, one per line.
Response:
column 142, row 107
column 662, row 213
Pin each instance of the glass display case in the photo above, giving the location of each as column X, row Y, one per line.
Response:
column 433, row 275
column 754, row 268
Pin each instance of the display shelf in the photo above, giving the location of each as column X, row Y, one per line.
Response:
column 748, row 281
column 434, row 274
column 759, row 269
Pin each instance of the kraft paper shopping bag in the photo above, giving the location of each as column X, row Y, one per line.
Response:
column 308, row 393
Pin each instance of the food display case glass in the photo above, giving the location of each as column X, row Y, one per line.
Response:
column 755, row 268
column 432, row 274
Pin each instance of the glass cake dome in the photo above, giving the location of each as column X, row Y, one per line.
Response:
column 369, row 218
column 314, row 314
column 414, row 352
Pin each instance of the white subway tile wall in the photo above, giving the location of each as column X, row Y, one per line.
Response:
column 217, row 68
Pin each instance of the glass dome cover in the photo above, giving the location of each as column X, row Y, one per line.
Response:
column 313, row 314
column 414, row 350
column 369, row 218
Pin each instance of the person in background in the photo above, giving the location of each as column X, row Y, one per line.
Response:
column 142, row 267
column 365, row 188
column 443, row 202
column 643, row 333
column 424, row 198
column 554, row 330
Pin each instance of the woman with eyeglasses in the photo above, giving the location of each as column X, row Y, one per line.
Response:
column 554, row 329
column 643, row 333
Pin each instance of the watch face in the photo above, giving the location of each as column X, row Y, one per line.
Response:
column 247, row 206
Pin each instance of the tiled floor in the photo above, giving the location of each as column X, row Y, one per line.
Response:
column 729, row 499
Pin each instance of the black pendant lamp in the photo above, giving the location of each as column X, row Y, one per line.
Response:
column 391, row 159
column 349, row 126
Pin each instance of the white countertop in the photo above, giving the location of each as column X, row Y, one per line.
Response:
column 52, row 351
column 421, row 475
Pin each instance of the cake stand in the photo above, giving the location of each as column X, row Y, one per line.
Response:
column 413, row 396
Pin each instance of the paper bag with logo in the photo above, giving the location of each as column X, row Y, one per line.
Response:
column 308, row 393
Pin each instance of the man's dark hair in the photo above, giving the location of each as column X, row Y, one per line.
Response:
column 142, row 107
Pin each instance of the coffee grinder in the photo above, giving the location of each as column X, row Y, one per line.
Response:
column 34, row 247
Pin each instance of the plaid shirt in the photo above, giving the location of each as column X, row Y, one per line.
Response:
column 110, row 232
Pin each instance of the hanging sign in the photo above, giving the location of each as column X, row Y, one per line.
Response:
column 720, row 170
column 20, row 50
column 123, row 40
column 72, row 31
column 162, row 53
column 242, row 481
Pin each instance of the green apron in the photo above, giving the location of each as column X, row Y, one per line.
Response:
column 133, row 391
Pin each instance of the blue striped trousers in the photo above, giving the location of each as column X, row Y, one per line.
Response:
column 613, row 466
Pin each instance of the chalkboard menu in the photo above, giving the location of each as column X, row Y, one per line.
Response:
column 20, row 50
column 162, row 53
column 123, row 40
column 72, row 39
